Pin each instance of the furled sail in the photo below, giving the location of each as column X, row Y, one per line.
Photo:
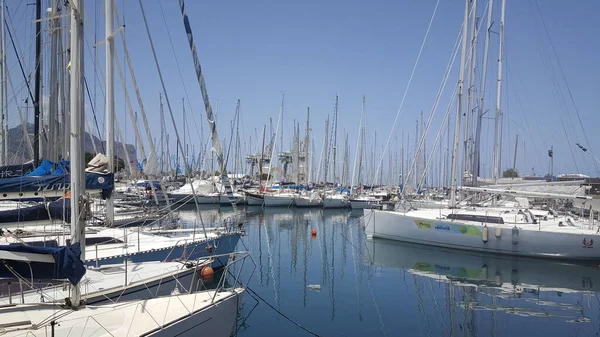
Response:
column 216, row 143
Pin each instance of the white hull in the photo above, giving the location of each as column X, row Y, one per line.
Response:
column 335, row 202
column 569, row 243
column 192, row 314
column 364, row 204
column 305, row 201
column 216, row 320
column 254, row 201
column 278, row 200
column 200, row 198
column 238, row 199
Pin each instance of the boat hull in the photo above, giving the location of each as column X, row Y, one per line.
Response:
column 308, row 202
column 254, row 201
column 200, row 198
column 216, row 320
column 278, row 201
column 335, row 203
column 528, row 240
column 238, row 199
column 186, row 250
column 364, row 204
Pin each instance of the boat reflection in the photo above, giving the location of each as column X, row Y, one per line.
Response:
column 484, row 269
column 487, row 283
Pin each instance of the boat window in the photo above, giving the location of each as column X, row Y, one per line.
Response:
column 41, row 243
column 476, row 218
column 102, row 240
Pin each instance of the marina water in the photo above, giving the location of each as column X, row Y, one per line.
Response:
column 339, row 283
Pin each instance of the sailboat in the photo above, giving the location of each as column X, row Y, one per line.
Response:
column 500, row 230
column 212, row 311
column 309, row 199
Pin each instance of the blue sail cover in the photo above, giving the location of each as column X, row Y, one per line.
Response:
column 56, row 210
column 44, row 169
column 10, row 171
column 67, row 263
column 28, row 184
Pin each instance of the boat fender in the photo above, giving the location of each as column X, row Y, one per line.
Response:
column 497, row 278
column 485, row 234
column 498, row 233
column 515, row 235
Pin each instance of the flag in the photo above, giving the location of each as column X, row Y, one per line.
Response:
column 550, row 153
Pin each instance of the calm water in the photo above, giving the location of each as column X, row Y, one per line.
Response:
column 386, row 288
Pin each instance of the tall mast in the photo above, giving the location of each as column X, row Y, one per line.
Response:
column 162, row 134
column 326, row 150
column 306, row 145
column 51, row 146
column 184, row 141
column 209, row 113
column 468, row 130
column 480, row 112
column 77, row 134
column 417, row 155
column 38, row 75
column 498, row 126
column 3, row 95
column 260, row 161
column 459, row 107
column 280, row 128
column 110, row 102
column 335, row 113
column 64, row 58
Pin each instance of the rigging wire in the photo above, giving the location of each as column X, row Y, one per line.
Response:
column 557, row 93
column 407, row 87
column 162, row 82
column 201, row 133
column 564, row 78
column 433, row 110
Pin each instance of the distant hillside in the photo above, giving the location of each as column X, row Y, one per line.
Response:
column 18, row 153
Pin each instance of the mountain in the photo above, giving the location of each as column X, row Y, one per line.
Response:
column 18, row 152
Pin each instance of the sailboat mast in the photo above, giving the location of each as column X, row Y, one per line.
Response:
column 498, row 126
column 162, row 134
column 110, row 102
column 260, row 161
column 325, row 155
column 461, row 77
column 77, row 113
column 480, row 113
column 52, row 145
column 3, row 95
column 38, row 75
column 468, row 129
column 306, row 145
column 184, row 141
column 335, row 122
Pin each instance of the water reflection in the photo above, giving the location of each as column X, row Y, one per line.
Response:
column 338, row 283
column 475, row 287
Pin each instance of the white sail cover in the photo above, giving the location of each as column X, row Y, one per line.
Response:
column 98, row 164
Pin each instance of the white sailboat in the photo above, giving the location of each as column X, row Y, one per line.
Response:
column 283, row 199
column 511, row 231
column 335, row 201
column 311, row 199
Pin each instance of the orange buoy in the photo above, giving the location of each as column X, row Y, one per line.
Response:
column 314, row 232
column 207, row 273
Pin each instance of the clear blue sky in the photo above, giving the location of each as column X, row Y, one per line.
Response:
column 312, row 50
